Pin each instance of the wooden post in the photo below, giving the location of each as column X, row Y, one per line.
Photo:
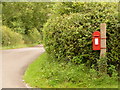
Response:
column 103, row 61
column 103, row 40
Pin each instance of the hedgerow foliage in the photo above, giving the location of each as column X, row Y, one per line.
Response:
column 10, row 38
column 68, row 36
column 22, row 17
column 33, row 36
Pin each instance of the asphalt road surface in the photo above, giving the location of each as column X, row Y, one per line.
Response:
column 15, row 62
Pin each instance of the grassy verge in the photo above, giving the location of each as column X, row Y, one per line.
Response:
column 45, row 73
column 17, row 46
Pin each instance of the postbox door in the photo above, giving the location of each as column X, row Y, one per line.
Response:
column 96, row 40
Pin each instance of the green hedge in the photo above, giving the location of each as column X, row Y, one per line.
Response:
column 69, row 37
column 10, row 38
column 33, row 36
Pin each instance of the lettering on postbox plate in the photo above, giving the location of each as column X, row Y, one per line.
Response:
column 96, row 41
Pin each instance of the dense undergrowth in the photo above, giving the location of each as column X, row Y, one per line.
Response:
column 22, row 23
column 69, row 61
column 47, row 73
column 68, row 35
column 11, row 39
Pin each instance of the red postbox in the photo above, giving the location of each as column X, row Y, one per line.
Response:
column 96, row 40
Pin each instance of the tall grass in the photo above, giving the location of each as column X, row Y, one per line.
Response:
column 47, row 73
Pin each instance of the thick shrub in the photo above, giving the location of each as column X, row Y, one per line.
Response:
column 84, row 7
column 69, row 37
column 10, row 38
column 33, row 36
column 32, row 15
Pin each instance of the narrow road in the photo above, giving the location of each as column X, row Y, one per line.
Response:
column 15, row 62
